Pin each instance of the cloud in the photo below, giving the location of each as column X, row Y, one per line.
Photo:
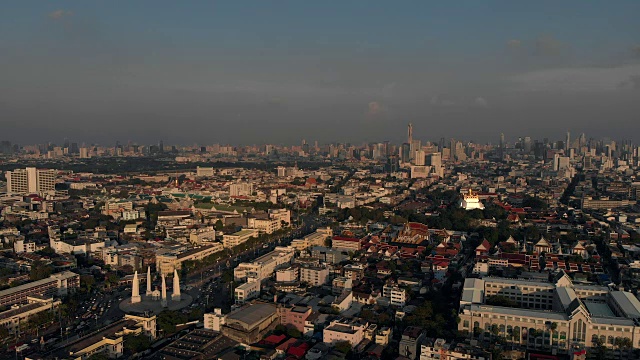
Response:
column 579, row 79
column 548, row 45
column 481, row 102
column 60, row 14
column 374, row 108
column 514, row 43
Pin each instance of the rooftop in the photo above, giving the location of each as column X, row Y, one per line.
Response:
column 628, row 303
column 252, row 314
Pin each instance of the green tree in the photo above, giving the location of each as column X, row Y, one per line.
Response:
column 87, row 282
column 293, row 332
column 219, row 225
column 98, row 356
column 136, row 343
column 40, row 270
column 343, row 346
column 168, row 319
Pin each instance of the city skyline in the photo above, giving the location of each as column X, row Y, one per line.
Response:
column 230, row 73
column 500, row 140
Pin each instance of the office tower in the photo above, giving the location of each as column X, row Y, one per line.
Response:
column 6, row 148
column 567, row 140
column 419, row 157
column 560, row 162
column 434, row 159
column 526, row 145
column 501, row 149
column 84, row 153
column 161, row 146
column 405, row 153
column 441, row 145
column 30, row 181
column 410, row 134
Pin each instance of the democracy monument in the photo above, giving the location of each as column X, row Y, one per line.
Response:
column 157, row 300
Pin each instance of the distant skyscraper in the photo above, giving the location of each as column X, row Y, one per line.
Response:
column 526, row 144
column 567, row 143
column 405, row 153
column 501, row 149
column 410, row 134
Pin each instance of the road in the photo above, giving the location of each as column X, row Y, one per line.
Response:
column 309, row 224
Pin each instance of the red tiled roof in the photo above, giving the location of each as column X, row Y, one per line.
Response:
column 343, row 238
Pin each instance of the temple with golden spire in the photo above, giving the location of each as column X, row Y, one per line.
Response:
column 471, row 201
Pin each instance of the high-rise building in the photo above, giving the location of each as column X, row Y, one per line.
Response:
column 526, row 145
column 405, row 153
column 410, row 133
column 84, row 153
column 435, row 159
column 6, row 148
column 30, row 181
column 419, row 157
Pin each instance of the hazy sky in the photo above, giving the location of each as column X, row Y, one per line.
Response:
column 245, row 72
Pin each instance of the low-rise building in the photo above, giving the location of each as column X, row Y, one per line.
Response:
column 16, row 317
column 288, row 275
column 247, row 291
column 264, row 266
column 250, row 323
column 235, row 239
column 345, row 243
column 20, row 245
column 410, row 342
column 557, row 314
column 339, row 330
column 108, row 340
column 314, row 275
column 295, row 316
column 58, row 284
column 169, row 261
column 397, row 296
column 440, row 349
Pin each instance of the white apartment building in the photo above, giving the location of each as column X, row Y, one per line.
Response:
column 280, row 215
column 214, row 320
column 264, row 225
column 30, row 181
column 247, row 291
column 288, row 275
column 169, row 261
column 314, row 275
column 317, row 238
column 264, row 266
column 204, row 171
column 235, row 239
column 23, row 246
column 339, row 330
column 76, row 246
column 397, row 296
column 202, row 235
column 241, row 189
column 132, row 214
column 558, row 314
